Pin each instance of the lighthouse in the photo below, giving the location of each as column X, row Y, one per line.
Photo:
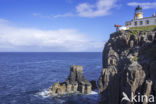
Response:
column 138, row 13
column 138, row 20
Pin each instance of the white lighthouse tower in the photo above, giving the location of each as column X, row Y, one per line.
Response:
column 138, row 13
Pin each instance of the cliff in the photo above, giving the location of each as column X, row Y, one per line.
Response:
column 129, row 67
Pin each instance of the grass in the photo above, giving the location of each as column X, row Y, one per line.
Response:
column 144, row 28
column 135, row 58
column 136, row 30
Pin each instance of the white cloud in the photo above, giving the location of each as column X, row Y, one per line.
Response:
column 42, row 16
column 64, row 15
column 101, row 8
column 55, row 16
column 14, row 38
column 145, row 5
column 3, row 21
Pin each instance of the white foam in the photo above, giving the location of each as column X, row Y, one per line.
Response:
column 45, row 93
column 93, row 93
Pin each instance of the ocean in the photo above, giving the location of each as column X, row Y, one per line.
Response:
column 25, row 76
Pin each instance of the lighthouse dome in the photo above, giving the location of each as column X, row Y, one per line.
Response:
column 138, row 8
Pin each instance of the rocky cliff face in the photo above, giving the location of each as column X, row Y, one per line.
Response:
column 75, row 82
column 129, row 66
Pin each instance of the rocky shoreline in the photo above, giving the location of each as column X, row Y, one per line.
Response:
column 129, row 64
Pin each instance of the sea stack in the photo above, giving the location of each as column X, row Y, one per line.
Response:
column 75, row 83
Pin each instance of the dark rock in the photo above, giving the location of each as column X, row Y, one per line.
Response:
column 76, row 75
column 148, row 88
column 129, row 64
column 75, row 82
column 152, row 71
column 108, row 85
column 94, row 85
column 133, row 77
column 104, row 79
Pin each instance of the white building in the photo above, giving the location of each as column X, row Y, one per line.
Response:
column 139, row 20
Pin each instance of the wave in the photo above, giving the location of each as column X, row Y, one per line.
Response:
column 93, row 93
column 44, row 94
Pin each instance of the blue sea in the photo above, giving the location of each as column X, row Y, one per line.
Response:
column 25, row 77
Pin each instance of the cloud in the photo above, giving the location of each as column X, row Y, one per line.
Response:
column 64, row 15
column 3, row 21
column 42, row 16
column 146, row 5
column 53, row 16
column 100, row 8
column 13, row 38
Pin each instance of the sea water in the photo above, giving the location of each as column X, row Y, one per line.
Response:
column 25, row 77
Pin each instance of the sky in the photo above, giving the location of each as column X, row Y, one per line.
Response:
column 63, row 25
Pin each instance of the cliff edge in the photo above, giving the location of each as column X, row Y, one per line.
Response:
column 129, row 68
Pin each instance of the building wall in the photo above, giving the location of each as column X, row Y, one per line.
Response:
column 122, row 28
column 152, row 21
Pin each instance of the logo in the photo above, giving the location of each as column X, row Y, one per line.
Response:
column 125, row 97
column 137, row 98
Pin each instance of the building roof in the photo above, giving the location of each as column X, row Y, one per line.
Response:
column 117, row 25
column 138, row 7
